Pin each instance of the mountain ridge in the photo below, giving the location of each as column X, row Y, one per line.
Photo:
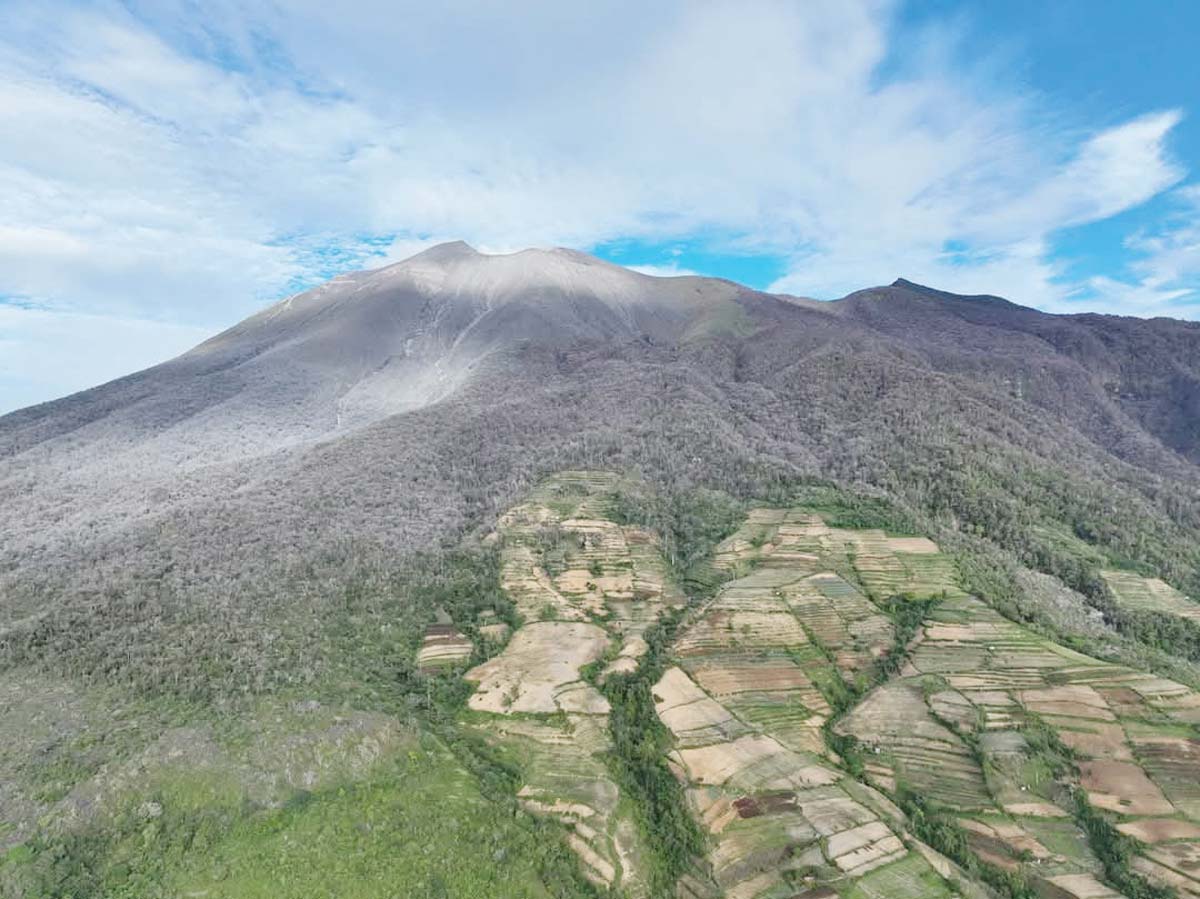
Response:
column 451, row 339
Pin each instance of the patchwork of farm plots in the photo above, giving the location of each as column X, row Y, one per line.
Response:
column 957, row 726
column 752, row 681
column 747, row 698
column 1132, row 591
column 884, row 565
column 587, row 590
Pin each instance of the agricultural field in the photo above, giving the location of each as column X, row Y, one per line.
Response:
column 961, row 725
column 994, row 727
column 884, row 565
column 587, row 589
column 755, row 675
column 1133, row 591
column 443, row 646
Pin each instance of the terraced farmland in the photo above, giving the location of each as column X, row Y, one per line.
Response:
column 983, row 682
column 1132, row 591
column 443, row 646
column 957, row 726
column 587, row 589
column 749, row 695
column 884, row 565
column 756, row 677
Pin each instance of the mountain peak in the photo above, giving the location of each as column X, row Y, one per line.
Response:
column 914, row 287
column 450, row 250
column 458, row 269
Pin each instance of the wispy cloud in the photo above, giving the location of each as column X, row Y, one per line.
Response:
column 162, row 165
column 1164, row 275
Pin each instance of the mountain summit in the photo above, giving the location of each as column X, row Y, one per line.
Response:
column 574, row 352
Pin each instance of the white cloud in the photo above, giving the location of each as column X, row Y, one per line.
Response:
column 163, row 165
column 670, row 270
column 1165, row 271
column 45, row 354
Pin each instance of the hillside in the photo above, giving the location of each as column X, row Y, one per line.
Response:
column 530, row 575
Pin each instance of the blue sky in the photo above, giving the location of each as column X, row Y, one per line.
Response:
column 170, row 167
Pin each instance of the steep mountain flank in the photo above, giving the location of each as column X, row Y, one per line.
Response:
column 686, row 585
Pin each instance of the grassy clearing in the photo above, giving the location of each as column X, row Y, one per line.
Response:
column 418, row 826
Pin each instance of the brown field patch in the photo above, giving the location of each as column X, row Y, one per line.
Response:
column 581, row 580
column 1160, row 830
column 750, row 630
column 835, row 814
column 538, row 671
column 1035, row 810
column 951, row 633
column 1010, row 839
column 718, row 763
column 861, row 849
column 687, row 711
column 753, row 762
column 768, row 803
column 1083, row 886
column 675, row 688
column 765, row 678
column 1073, row 700
column 1160, row 873
column 1122, row 787
column 1183, row 857
column 914, row 545
column 1099, row 741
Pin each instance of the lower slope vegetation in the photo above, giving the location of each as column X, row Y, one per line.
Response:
column 816, row 711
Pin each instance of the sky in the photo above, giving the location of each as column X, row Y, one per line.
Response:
column 168, row 168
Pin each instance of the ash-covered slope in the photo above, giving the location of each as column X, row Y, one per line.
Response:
column 1132, row 384
column 389, row 411
column 360, row 348
column 317, row 368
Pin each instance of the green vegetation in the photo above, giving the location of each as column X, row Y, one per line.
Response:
column 418, row 826
column 690, row 522
column 840, row 508
column 638, row 763
column 1115, row 851
column 939, row 830
column 907, row 615
column 436, row 818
